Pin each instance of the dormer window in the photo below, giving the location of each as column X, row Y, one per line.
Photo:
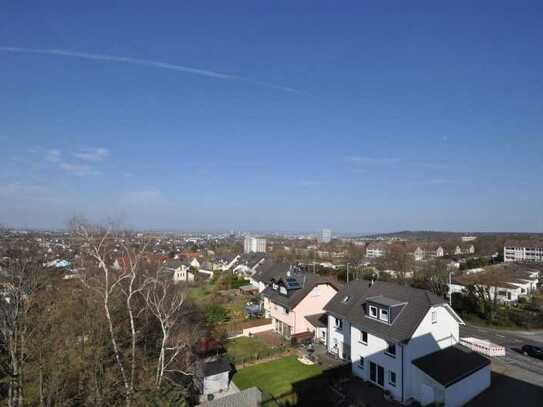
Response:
column 373, row 311
column 275, row 286
column 346, row 299
column 283, row 290
column 383, row 315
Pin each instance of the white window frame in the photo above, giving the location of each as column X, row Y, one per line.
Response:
column 434, row 317
column 339, row 323
column 362, row 337
column 389, row 345
column 384, row 311
column 392, row 383
column 370, row 311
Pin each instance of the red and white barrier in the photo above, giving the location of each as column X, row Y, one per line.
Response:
column 485, row 347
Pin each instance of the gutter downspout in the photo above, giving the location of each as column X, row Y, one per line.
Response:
column 403, row 351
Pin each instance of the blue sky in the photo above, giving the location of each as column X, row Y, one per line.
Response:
column 287, row 116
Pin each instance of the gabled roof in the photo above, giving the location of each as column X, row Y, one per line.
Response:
column 416, row 302
column 307, row 281
column 215, row 367
column 450, row 365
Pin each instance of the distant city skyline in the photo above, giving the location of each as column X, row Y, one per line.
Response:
column 247, row 116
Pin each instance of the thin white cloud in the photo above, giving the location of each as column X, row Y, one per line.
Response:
column 143, row 62
column 93, row 154
column 371, row 160
column 78, row 169
column 433, row 181
column 53, row 156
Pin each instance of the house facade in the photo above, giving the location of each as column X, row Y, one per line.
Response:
column 290, row 299
column 376, row 249
column 385, row 329
column 506, row 282
column 523, row 251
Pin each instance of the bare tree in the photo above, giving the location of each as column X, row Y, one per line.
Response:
column 17, row 291
column 167, row 302
column 99, row 246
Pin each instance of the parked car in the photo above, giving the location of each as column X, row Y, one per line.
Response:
column 533, row 351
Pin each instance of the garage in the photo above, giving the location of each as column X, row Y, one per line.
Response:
column 452, row 376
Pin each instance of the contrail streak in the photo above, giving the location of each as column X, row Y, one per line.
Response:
column 143, row 62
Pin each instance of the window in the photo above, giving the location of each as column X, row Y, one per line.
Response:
column 384, row 315
column 391, row 349
column 339, row 323
column 346, row 300
column 392, row 378
column 364, row 337
column 361, row 362
column 373, row 311
column 283, row 290
column 434, row 317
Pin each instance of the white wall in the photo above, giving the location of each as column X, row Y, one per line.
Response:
column 374, row 351
column 335, row 336
column 428, row 338
column 216, row 383
column 460, row 393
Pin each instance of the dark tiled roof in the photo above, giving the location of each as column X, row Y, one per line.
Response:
column 251, row 397
column 382, row 300
column 270, row 269
column 307, row 282
column 251, row 259
column 417, row 304
column 450, row 365
column 216, row 367
column 318, row 320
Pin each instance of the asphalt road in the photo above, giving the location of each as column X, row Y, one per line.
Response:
column 513, row 341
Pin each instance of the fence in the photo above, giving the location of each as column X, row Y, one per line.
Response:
column 481, row 346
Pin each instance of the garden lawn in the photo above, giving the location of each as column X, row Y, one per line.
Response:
column 277, row 377
column 242, row 348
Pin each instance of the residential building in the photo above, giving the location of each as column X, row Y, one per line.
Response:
column 326, row 236
column 376, row 249
column 427, row 251
column 469, row 238
column 523, row 251
column 248, row 263
column 405, row 340
column 507, row 282
column 254, row 245
column 292, row 297
column 464, row 250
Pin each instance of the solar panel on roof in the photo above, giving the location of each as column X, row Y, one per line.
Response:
column 292, row 283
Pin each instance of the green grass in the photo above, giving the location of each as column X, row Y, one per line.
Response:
column 245, row 347
column 277, row 377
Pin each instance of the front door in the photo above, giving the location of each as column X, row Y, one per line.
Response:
column 373, row 372
column 380, row 375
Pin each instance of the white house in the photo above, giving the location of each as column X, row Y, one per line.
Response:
column 428, row 251
column 405, row 340
column 376, row 249
column 507, row 282
column 523, row 251
column 464, row 250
